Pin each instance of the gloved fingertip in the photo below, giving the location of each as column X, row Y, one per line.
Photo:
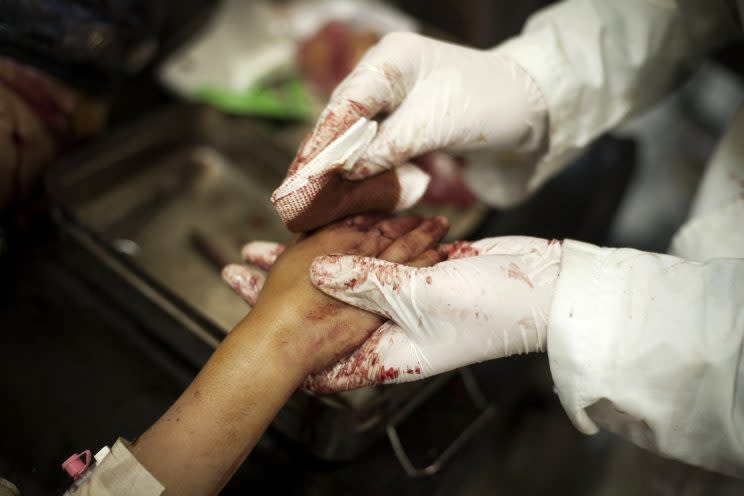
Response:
column 332, row 272
column 413, row 183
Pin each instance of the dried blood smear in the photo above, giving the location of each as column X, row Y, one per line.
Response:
column 460, row 249
column 357, row 370
column 514, row 272
column 387, row 373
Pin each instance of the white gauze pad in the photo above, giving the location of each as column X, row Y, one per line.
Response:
column 298, row 191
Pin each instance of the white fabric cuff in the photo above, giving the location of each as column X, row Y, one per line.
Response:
column 578, row 356
column 538, row 53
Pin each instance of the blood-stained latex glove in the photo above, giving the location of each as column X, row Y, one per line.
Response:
column 490, row 299
column 408, row 240
column 437, row 96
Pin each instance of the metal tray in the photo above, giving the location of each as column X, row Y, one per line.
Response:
column 159, row 207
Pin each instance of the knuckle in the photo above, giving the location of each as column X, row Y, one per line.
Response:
column 407, row 245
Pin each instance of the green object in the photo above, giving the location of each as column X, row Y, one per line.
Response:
column 288, row 99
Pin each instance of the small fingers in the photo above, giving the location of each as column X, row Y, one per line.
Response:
column 245, row 281
column 396, row 227
column 426, row 259
column 417, row 241
column 262, row 254
column 381, row 235
column 363, row 222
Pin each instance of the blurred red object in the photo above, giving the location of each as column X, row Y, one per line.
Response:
column 328, row 56
column 447, row 186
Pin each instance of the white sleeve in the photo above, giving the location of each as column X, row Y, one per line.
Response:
column 598, row 62
column 650, row 346
column 120, row 474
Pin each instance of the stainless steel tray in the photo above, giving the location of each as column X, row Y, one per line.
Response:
column 160, row 206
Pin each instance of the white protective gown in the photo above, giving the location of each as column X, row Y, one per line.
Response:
column 646, row 345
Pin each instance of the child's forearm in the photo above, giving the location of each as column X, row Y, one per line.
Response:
column 195, row 447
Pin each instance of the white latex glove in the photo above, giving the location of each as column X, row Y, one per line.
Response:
column 491, row 299
column 438, row 96
column 353, row 371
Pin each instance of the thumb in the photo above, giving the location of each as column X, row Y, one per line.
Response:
column 392, row 147
column 417, row 126
column 367, row 283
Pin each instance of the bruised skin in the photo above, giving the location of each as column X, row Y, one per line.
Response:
column 339, row 197
column 317, row 330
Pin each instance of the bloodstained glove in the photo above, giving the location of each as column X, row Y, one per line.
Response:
column 490, row 299
column 437, row 96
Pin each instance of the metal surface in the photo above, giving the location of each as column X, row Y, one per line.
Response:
column 486, row 414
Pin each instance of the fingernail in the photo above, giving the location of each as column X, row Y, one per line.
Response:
column 441, row 219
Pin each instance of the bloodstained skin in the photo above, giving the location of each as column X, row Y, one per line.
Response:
column 325, row 311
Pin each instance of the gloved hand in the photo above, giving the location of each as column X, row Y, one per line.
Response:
column 490, row 299
column 438, row 95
